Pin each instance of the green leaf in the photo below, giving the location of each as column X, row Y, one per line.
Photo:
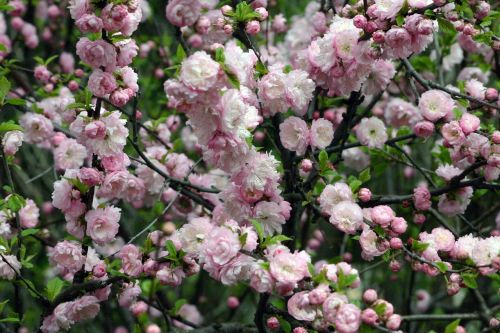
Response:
column 29, row 232
column 469, row 279
column 380, row 309
column 16, row 101
column 4, row 88
column 15, row 202
column 365, row 175
column 323, row 160
column 400, row 19
column 54, row 287
column 355, row 184
column 9, row 126
column 259, row 229
column 172, row 251
column 219, row 55
column 2, row 305
column 180, row 53
column 446, row 26
column 451, row 327
column 442, row 267
column 419, row 246
column 178, row 305
column 285, row 325
column 274, row 240
column 233, row 79
column 9, row 320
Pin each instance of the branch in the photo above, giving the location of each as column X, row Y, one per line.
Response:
column 427, row 84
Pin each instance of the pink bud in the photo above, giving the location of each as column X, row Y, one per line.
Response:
column 424, row 129
column 469, row 123
column 159, row 74
column 273, row 323
column 468, row 29
column 99, row 270
column 360, row 21
column 228, row 29
column 73, row 85
column 90, row 176
column 262, row 12
column 370, row 296
column 79, row 72
column 233, row 302
column 369, row 317
column 347, row 257
column 395, row 266
column 306, row 165
column 491, row 94
column 299, row 330
column 378, row 36
column 364, row 194
column 419, row 218
column 370, row 27
column 393, row 322
column 53, row 11
column 203, row 25
column 58, row 138
column 139, row 308
column 195, row 41
column 399, row 225
column 396, row 243
column 329, row 115
column 313, row 244
column 47, row 207
column 226, row 9
column 95, row 130
column 153, row 328
column 17, row 23
column 252, row 27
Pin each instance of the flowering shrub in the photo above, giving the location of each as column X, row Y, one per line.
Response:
column 260, row 166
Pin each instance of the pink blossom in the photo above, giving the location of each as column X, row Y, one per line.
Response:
column 67, row 199
column 131, row 260
column 347, row 217
column 84, row 308
column 380, row 76
column 11, row 142
column 424, row 129
column 69, row 155
column 42, row 74
column 36, row 127
column 435, row 104
column 331, row 306
column 294, row 135
column 469, row 123
column 97, row 53
column 127, row 50
column 321, row 133
column 219, row 247
column 447, row 172
column 371, row 132
column 78, row 8
column 128, row 294
column 29, row 214
column 299, row 307
column 101, row 83
column 68, row 255
column 369, row 242
column 89, row 23
column 7, row 271
column 452, row 133
column 102, row 224
column 289, row 268
column 334, row 194
column 199, row 71
column 382, row 215
column 114, row 17
column 387, row 10
column 422, row 198
column 183, row 12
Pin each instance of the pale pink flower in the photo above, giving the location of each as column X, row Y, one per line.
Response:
column 348, row 319
column 37, row 128
column 332, row 195
column 84, row 308
column 424, row 129
column 190, row 313
column 387, row 9
column 469, row 123
column 380, row 76
column 447, row 172
column 192, row 234
column 369, row 241
column 97, row 53
column 422, row 198
column 261, row 280
column 321, row 133
column 11, row 141
column 127, row 50
column 67, row 199
column 475, row 89
column 443, row 239
column 455, row 202
column 270, row 215
column 382, row 215
column 294, row 135
column 371, row 132
column 131, row 260
column 331, row 306
column 289, row 268
column 398, row 42
column 78, row 8
column 114, row 17
column 128, row 294
column 199, row 71
column 101, row 83
column 102, row 224
column 6, row 271
column 435, row 104
column 299, row 91
column 299, row 307
column 89, row 23
column 69, row 155
column 401, row 113
column 29, row 214
column 68, row 255
column 183, row 13
column 452, row 133
column 219, row 247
